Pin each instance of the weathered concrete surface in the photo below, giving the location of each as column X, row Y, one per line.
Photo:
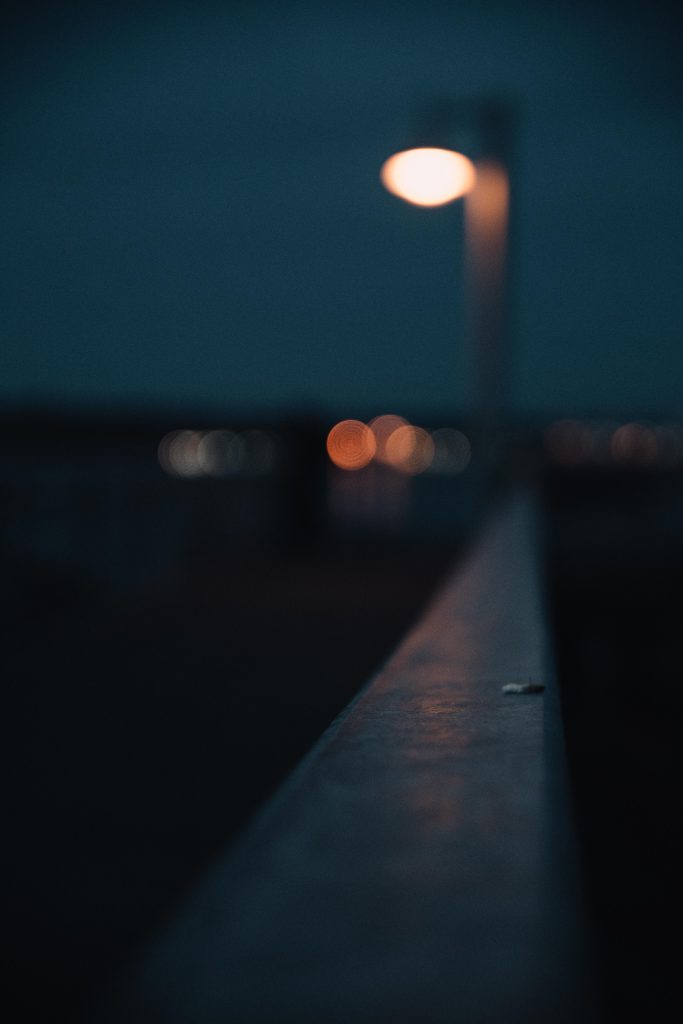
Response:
column 418, row 866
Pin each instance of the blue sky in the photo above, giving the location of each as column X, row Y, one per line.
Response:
column 192, row 213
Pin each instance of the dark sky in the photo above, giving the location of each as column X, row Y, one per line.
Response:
column 192, row 212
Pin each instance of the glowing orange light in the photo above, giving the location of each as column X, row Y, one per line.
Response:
column 410, row 450
column 383, row 427
column 351, row 444
column 429, row 176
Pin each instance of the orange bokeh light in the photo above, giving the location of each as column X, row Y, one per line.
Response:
column 383, row 427
column 351, row 444
column 428, row 176
column 410, row 450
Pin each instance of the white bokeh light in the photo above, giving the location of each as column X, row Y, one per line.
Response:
column 429, row 176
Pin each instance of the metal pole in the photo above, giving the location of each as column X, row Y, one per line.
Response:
column 487, row 215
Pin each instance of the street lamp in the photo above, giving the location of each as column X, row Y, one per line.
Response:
column 428, row 175
column 433, row 175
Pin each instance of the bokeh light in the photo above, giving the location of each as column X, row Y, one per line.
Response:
column 220, row 453
column 410, row 450
column 428, row 176
column 452, row 451
column 178, row 453
column 635, row 443
column 351, row 444
column 383, row 427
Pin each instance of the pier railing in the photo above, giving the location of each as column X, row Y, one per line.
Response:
column 419, row 865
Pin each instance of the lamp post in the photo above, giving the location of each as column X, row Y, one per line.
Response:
column 433, row 175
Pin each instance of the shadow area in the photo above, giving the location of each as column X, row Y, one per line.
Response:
column 616, row 574
column 148, row 722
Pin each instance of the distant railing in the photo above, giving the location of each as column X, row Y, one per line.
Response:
column 419, row 866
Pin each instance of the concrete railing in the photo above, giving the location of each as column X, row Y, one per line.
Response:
column 419, row 866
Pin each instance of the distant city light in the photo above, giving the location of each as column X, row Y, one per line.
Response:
column 604, row 442
column 178, row 453
column 383, row 427
column 428, row 176
column 636, row 443
column 452, row 451
column 410, row 450
column 219, row 453
column 351, row 444
column 395, row 443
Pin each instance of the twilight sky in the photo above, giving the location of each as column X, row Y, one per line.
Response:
column 192, row 214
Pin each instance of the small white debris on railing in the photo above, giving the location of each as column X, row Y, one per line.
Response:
column 529, row 687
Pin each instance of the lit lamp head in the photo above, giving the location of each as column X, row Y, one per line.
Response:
column 430, row 174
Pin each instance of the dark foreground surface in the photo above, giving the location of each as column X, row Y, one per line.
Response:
column 616, row 587
column 419, row 866
column 145, row 726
